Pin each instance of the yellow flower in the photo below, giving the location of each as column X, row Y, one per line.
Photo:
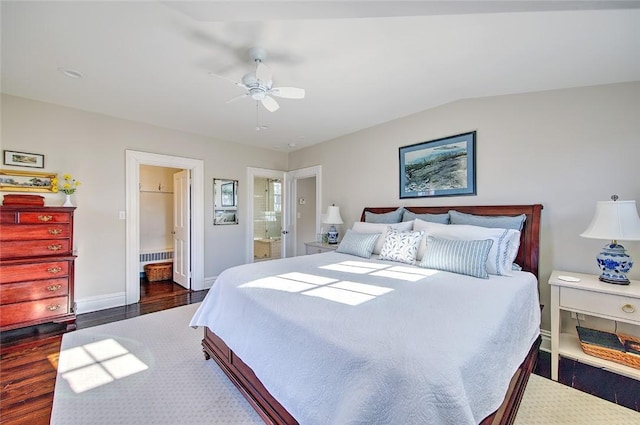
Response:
column 54, row 188
column 68, row 186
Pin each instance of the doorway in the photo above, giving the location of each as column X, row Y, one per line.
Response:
column 164, row 203
column 286, row 219
column 134, row 160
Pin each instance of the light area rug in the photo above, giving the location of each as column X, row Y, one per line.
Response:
column 151, row 370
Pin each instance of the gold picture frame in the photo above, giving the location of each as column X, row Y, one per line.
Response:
column 26, row 181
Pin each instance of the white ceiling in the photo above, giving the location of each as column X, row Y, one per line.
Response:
column 361, row 63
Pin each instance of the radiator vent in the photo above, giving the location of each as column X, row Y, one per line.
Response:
column 151, row 257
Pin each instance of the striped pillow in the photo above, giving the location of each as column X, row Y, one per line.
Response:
column 360, row 244
column 457, row 256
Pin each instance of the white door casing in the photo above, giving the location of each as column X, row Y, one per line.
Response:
column 181, row 229
column 289, row 206
column 133, row 160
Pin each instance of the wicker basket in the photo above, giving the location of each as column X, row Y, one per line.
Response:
column 620, row 355
column 158, row 271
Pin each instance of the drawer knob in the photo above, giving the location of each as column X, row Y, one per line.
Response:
column 54, row 287
column 54, row 270
column 45, row 218
column 55, row 231
column 53, row 307
column 628, row 308
column 55, row 247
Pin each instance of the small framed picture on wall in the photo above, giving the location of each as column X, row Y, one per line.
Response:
column 23, row 159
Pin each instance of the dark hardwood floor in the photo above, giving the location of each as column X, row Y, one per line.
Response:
column 29, row 356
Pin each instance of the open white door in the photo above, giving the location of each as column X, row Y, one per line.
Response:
column 181, row 229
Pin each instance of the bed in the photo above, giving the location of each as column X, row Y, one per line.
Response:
column 301, row 351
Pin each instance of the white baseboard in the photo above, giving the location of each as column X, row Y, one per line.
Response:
column 100, row 302
column 546, row 340
column 209, row 281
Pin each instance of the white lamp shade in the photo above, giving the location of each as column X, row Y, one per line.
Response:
column 614, row 220
column 333, row 215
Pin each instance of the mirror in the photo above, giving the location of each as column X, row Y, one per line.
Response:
column 225, row 201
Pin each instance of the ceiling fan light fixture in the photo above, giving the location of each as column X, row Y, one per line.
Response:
column 250, row 79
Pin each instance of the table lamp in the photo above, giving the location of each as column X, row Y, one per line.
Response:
column 332, row 217
column 614, row 220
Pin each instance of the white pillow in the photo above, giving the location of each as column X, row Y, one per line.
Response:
column 401, row 246
column 503, row 251
column 382, row 228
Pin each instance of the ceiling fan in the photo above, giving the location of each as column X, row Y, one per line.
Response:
column 259, row 85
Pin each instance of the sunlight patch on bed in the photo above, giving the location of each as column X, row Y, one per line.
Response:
column 399, row 275
column 361, row 287
column 356, row 267
column 96, row 364
column 280, row 284
column 308, row 278
column 339, row 295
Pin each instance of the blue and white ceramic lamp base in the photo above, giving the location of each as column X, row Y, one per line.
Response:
column 332, row 235
column 615, row 263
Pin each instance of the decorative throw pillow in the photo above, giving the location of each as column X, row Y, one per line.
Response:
column 457, row 256
column 499, row 221
column 381, row 229
column 433, row 218
column 390, row 217
column 401, row 246
column 503, row 250
column 360, row 244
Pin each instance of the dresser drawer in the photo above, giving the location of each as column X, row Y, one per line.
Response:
column 23, row 232
column 33, row 271
column 616, row 306
column 33, row 290
column 31, row 217
column 33, row 310
column 18, row 249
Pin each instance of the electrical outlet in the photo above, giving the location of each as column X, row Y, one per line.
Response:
column 581, row 316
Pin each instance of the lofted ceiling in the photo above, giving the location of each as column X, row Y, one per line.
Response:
column 361, row 63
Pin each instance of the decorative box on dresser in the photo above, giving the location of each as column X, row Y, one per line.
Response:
column 591, row 297
column 36, row 266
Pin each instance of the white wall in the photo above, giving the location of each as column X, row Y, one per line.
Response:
column 92, row 148
column 565, row 149
column 156, row 208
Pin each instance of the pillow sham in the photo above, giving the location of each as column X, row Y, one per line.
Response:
column 458, row 256
column 389, row 217
column 499, row 221
column 503, row 250
column 434, row 218
column 360, row 244
column 380, row 228
column 401, row 246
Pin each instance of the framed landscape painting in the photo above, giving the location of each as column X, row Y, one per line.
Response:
column 23, row 159
column 26, row 181
column 442, row 167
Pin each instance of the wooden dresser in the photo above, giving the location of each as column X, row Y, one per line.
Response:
column 36, row 266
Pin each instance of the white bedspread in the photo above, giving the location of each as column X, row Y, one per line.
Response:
column 337, row 339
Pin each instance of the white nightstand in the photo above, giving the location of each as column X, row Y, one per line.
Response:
column 591, row 297
column 318, row 247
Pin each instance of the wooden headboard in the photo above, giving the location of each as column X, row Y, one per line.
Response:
column 529, row 237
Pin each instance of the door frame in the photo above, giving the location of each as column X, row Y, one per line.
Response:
column 132, row 193
column 292, row 178
column 253, row 172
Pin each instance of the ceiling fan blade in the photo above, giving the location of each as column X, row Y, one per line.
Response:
column 263, row 72
column 228, row 79
column 288, row 92
column 270, row 104
column 237, row 97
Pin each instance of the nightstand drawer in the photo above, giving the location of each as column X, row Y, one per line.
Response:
column 616, row 306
